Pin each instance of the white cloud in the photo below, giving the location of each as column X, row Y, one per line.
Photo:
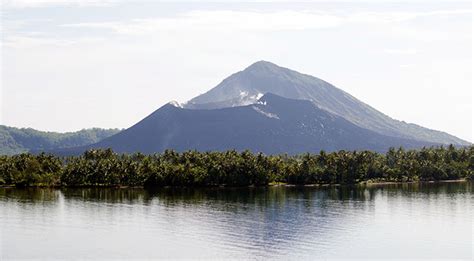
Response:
column 395, row 17
column 47, row 3
column 221, row 20
column 37, row 39
column 226, row 20
column 408, row 66
column 400, row 51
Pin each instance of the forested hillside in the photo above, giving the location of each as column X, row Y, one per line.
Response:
column 18, row 140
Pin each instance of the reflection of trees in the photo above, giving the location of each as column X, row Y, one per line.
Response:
column 30, row 195
column 262, row 197
column 423, row 188
column 108, row 195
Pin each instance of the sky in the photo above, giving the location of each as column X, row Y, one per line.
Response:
column 69, row 64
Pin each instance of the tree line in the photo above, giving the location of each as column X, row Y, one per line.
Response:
column 233, row 168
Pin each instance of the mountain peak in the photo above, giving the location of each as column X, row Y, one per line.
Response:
column 264, row 77
column 262, row 65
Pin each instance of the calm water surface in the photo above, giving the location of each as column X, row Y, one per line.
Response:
column 385, row 221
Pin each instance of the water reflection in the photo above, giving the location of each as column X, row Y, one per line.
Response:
column 251, row 195
column 30, row 195
column 273, row 222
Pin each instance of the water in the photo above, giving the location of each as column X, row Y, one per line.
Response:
column 385, row 221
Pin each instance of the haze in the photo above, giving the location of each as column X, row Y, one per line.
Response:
column 68, row 65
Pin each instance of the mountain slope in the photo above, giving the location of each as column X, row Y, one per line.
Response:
column 247, row 86
column 18, row 140
column 273, row 125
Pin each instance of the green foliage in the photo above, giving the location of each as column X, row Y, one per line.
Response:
column 30, row 170
column 20, row 140
column 232, row 168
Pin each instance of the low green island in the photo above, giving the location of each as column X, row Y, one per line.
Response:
column 232, row 168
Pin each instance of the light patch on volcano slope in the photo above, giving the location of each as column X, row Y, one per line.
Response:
column 267, row 114
column 247, row 99
column 243, row 94
column 257, row 96
column 176, row 104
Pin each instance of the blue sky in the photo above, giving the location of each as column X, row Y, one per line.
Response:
column 68, row 65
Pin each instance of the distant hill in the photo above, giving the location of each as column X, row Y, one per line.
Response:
column 245, row 87
column 272, row 125
column 17, row 140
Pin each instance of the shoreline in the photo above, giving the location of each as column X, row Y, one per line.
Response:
column 377, row 183
column 362, row 183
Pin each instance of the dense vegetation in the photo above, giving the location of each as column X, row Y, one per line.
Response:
column 20, row 140
column 232, row 168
